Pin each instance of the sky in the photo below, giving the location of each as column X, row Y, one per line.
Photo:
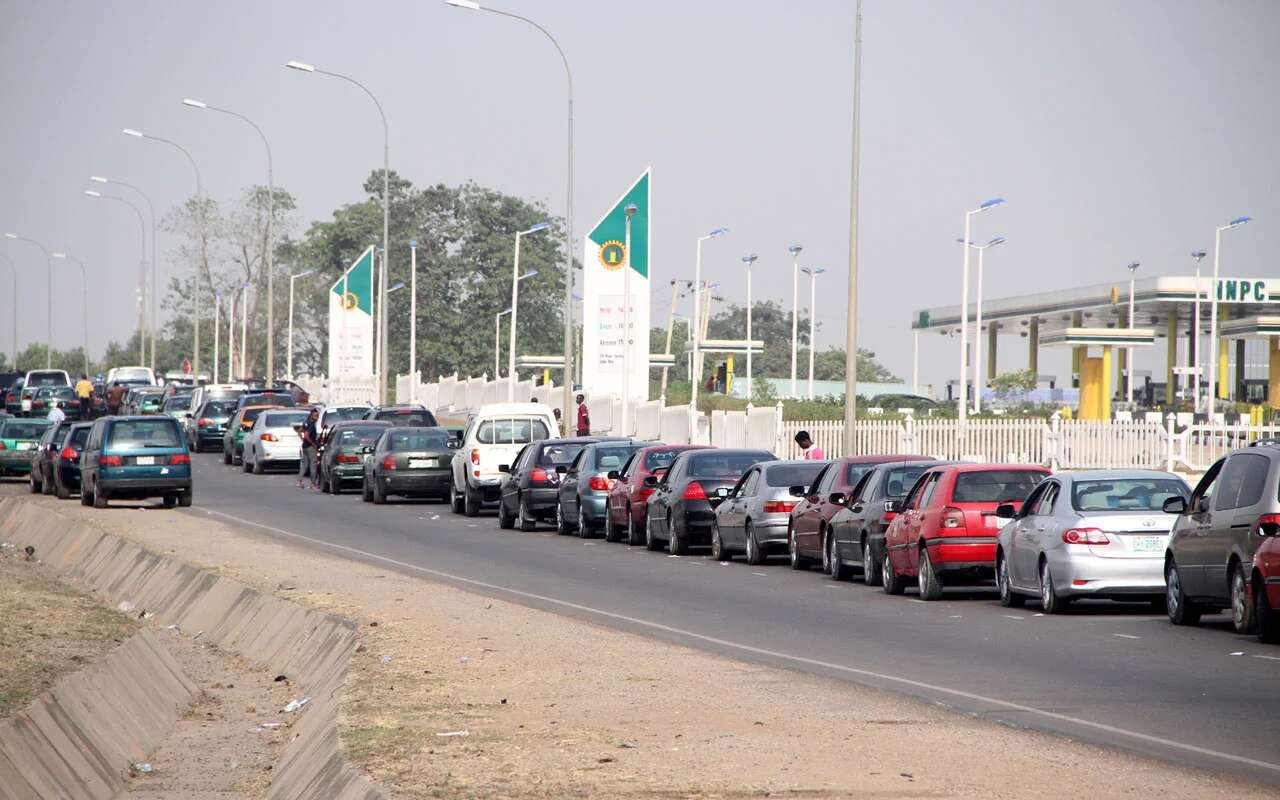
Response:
column 1115, row 131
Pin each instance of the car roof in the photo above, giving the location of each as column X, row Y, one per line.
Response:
column 1113, row 474
column 400, row 407
column 358, row 423
column 883, row 459
column 968, row 467
column 500, row 409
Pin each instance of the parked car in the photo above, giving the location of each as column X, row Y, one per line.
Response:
column 827, row 495
column 342, row 451
column 948, row 525
column 43, row 401
column 585, row 485
column 913, row 402
column 1265, row 585
column 628, row 499
column 66, row 474
column 133, row 458
column 332, row 415
column 494, row 436
column 855, row 536
column 1217, row 532
column 265, row 397
column 530, row 491
column 409, row 462
column 177, row 406
column 136, row 375
column 217, row 391
column 274, row 439
column 233, row 437
column 39, row 379
column 682, row 507
column 13, row 398
column 206, row 427
column 412, row 416
column 19, row 438
column 755, row 516
column 45, row 456
column 1097, row 533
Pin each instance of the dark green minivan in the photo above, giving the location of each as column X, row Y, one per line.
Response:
column 133, row 458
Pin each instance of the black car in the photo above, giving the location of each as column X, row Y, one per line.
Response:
column 45, row 459
column 13, row 398
column 681, row 509
column 530, row 490
column 342, row 451
column 405, row 416
column 208, row 424
column 857, row 530
column 265, row 397
column 66, row 472
column 410, row 462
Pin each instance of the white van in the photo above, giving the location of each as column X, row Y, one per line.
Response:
column 131, row 375
column 494, row 436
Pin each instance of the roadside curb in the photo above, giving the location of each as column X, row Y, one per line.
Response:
column 312, row 647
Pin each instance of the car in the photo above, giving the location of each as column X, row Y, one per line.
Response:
column 136, row 375
column 13, row 398
column 413, row 416
column 145, row 400
column 273, row 439
column 39, row 379
column 754, row 517
column 1216, row 534
column 332, row 415
column 340, row 460
column 217, row 391
column 40, row 477
column 233, row 438
column 1265, row 583
column 134, row 458
column 897, row 402
column 207, row 426
column 177, row 406
column 585, row 485
column 682, row 507
column 409, row 462
column 627, row 501
column 1091, row 533
column 808, row 539
column 66, row 475
column 530, row 491
column 855, row 535
column 494, row 436
column 266, row 397
column 19, row 438
column 947, row 527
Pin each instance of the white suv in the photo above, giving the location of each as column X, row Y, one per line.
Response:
column 494, row 436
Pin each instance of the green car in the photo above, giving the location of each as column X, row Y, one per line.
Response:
column 177, row 406
column 233, row 439
column 18, row 440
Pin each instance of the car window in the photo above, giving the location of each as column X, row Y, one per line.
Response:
column 897, row 481
column 822, row 481
column 518, row 430
column 1045, row 498
column 553, row 455
column 611, row 458
column 132, row 374
column 218, row 408
column 1146, row 494
column 722, row 463
column 1241, row 481
column 77, row 438
column 250, row 414
column 286, row 419
column 333, row 416
column 913, row 495
column 995, row 485
column 135, row 433
column 783, row 475
column 660, row 459
column 629, row 468
column 407, row 418
column 750, row 484
column 26, row 429
column 400, row 441
column 854, row 472
column 864, row 487
column 178, row 403
column 930, row 488
column 578, row 461
column 359, row 436
column 38, row 379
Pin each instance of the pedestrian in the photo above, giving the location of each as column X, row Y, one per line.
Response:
column 84, row 389
column 808, row 450
column 584, row 417
column 309, row 441
column 56, row 414
column 115, row 396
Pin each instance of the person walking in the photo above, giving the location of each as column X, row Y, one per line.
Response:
column 115, row 396
column 808, row 450
column 584, row 417
column 306, row 469
column 84, row 393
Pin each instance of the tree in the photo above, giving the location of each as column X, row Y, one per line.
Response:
column 1023, row 380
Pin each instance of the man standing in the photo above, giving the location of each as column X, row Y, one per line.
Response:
column 584, row 417
column 115, row 396
column 808, row 450
column 309, row 439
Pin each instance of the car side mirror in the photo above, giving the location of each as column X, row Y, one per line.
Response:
column 796, row 491
column 504, row 468
column 893, row 506
column 1006, row 511
column 366, row 450
column 836, row 498
column 651, row 481
column 613, row 475
column 1175, row 505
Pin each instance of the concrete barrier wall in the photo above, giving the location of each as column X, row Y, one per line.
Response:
column 311, row 647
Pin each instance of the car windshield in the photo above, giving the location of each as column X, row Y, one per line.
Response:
column 418, row 440
column 78, row 437
column 611, row 458
column 899, row 480
column 181, row 403
column 218, row 408
column 553, row 455
column 720, row 464
column 133, row 374
column 285, row 419
column 1128, row 494
column 408, row 418
column 995, row 485
column 359, row 437
column 39, row 379
column 781, row 475
column 660, row 459
column 269, row 399
column 336, row 415
column 26, row 429
column 134, row 433
column 512, row 431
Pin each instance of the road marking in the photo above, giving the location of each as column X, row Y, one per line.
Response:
column 917, row 600
column 1012, row 616
column 776, row 654
column 1269, row 658
column 761, row 574
column 1126, row 636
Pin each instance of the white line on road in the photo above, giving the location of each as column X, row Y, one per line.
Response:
column 761, row 574
column 760, row 651
column 1269, row 658
column 1012, row 616
column 1126, row 636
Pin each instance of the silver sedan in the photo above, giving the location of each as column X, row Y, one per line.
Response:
column 754, row 515
column 1098, row 533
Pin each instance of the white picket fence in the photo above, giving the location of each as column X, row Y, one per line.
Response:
column 347, row 389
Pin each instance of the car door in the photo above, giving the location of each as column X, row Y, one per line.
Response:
column 568, row 494
column 1032, row 535
column 925, row 519
column 739, row 503
column 514, row 479
column 1236, row 523
column 1190, row 545
column 662, row 498
column 899, row 533
column 808, row 514
column 848, row 524
column 617, row 495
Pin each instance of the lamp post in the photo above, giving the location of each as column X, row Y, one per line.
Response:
column 270, row 246
column 204, row 250
column 383, row 362
column 497, row 341
column 851, row 299
column 293, row 278
column 244, row 328
column 1198, row 255
column 629, row 212
column 749, row 261
column 84, row 305
column 671, row 321
column 231, row 339
column 977, row 334
column 413, row 320
column 695, row 330
column 13, row 302
column 794, row 250
column 217, row 320
column 1213, row 313
column 153, row 314
column 48, row 262
column 1128, row 361
column 567, row 401
column 962, row 400
column 813, row 274
column 515, row 308
column 142, row 276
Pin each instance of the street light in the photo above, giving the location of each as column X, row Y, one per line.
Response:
column 397, row 286
column 696, row 331
column 813, row 274
column 1198, row 255
column 962, row 400
column 155, row 259
column 293, row 278
column 497, row 341
column 48, row 356
column 13, row 302
column 244, row 329
column 629, row 212
column 515, row 308
column 413, row 321
column 794, row 250
column 383, row 362
column 977, row 334
column 84, row 304
column 749, row 260
column 1213, row 312
column 142, row 277
column 1128, row 361
column 567, row 401
column 217, row 321
column 270, row 246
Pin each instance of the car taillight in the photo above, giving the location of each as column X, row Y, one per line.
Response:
column 599, row 483
column 389, row 462
column 644, row 493
column 269, row 437
column 1267, row 525
column 109, row 461
column 694, row 491
column 69, row 454
column 778, row 507
column 1085, row 536
column 203, row 422
column 537, row 475
column 179, row 459
column 3, row 446
column 346, row 458
column 475, row 457
column 952, row 517
column 888, row 516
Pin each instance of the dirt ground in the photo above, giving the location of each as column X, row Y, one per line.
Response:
column 460, row 696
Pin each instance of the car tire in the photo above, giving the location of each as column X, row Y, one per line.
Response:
column 562, row 528
column 185, row 499
column 650, row 542
column 99, row 498
column 1180, row 609
column 335, row 485
column 31, row 482
column 505, row 521
column 471, row 502
column 1050, row 601
column 927, row 580
column 245, row 466
column 718, row 551
column 226, row 457
column 1242, row 617
column 59, row 491
column 527, row 520
column 889, row 580
column 46, row 483
column 365, row 494
column 797, row 561
column 755, row 554
column 836, row 568
column 675, row 545
column 455, row 499
column 258, row 468
column 379, row 493
column 871, row 574
column 610, row 530
column 86, row 496
column 1008, row 597
column 1266, row 619
column 170, row 501
column 586, row 528
column 237, row 460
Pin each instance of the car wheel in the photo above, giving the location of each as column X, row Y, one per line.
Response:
column 46, row 483
column 755, row 556
column 1266, row 620
column 1180, row 608
column 471, row 503
column 226, row 457
column 335, row 485
column 184, row 499
column 889, row 580
column 170, row 501
column 633, row 538
column 610, row 530
column 379, row 492
column 676, row 545
column 455, row 499
column 1241, row 606
column 99, row 497
column 237, row 460
column 1008, row 597
column 718, row 553
column 86, row 496
column 650, row 543
column 836, row 568
column 504, row 520
column 527, row 521
column 365, row 494
column 245, row 465
column 562, row 529
column 31, row 482
column 586, row 528
column 870, row 566
column 927, row 579
column 257, row 466
column 1050, row 601
column 793, row 552
column 59, row 491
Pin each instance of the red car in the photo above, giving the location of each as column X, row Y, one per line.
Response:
column 807, row 534
column 627, row 502
column 1265, row 585
column 947, row 525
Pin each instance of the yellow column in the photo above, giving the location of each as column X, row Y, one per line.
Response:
column 1273, row 374
column 1171, row 380
column 1090, row 388
column 1104, row 410
column 1077, row 353
column 1033, row 347
column 1224, row 374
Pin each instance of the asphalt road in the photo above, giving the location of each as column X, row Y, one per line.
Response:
column 1115, row 675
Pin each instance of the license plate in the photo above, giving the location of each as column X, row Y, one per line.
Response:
column 145, row 461
column 26, row 445
column 1148, row 544
column 422, row 463
column 26, row 405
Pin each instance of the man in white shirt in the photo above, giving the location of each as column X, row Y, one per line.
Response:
column 56, row 414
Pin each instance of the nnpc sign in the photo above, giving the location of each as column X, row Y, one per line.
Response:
column 1242, row 290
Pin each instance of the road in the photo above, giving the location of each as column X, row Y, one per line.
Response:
column 1115, row 675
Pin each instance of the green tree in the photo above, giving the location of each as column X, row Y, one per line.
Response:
column 1020, row 380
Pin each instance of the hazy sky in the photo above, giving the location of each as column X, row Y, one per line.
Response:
column 1116, row 131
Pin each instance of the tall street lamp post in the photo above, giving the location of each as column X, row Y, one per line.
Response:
column 497, row 341
column 84, row 304
column 749, row 261
column 244, row 328
column 1213, row 313
column 977, row 334
column 142, row 272
column 813, row 274
column 153, row 315
column 794, row 250
column 13, row 303
column 962, row 403
column 1128, row 360
column 695, row 331
column 851, row 300
column 292, row 278
column 217, row 322
column 413, row 321
column 1198, row 255
column 48, row 262
column 515, row 309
